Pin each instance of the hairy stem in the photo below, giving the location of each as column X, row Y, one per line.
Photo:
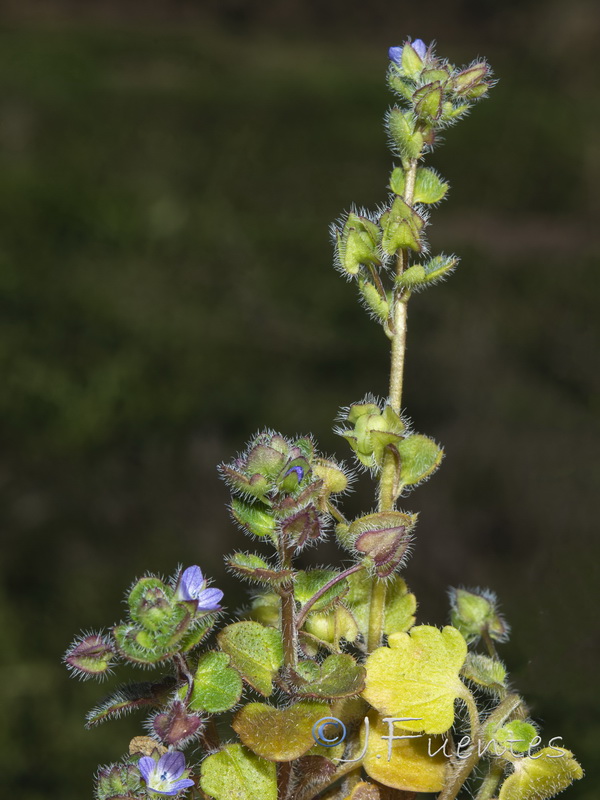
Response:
column 500, row 714
column 388, row 487
column 289, row 631
column 487, row 790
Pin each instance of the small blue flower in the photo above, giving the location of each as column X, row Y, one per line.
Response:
column 163, row 776
column 419, row 46
column 192, row 586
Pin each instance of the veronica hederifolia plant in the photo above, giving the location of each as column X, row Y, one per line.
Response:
column 329, row 688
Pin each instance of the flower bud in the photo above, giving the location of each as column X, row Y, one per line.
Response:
column 90, row 656
column 474, row 613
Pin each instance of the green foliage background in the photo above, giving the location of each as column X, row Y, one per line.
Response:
column 167, row 176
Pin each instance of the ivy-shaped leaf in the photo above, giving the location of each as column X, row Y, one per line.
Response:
column 400, row 606
column 411, row 764
column 236, row 773
column 417, row 676
column 338, row 676
column 256, row 652
column 542, row 775
column 279, row 734
column 217, row 687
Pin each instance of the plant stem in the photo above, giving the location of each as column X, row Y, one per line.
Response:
column 487, row 790
column 317, row 595
column 500, row 714
column 289, row 632
column 389, row 473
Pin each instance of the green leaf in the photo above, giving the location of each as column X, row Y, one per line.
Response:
column 254, row 568
column 402, row 227
column 401, row 126
column 516, row 736
column 485, row 671
column 428, row 101
column 338, row 676
column 256, row 652
column 235, row 773
column 429, row 187
column 254, row 519
column 308, row 583
column 417, row 676
column 373, row 299
column 279, row 734
column 357, row 243
column 412, row 63
column 542, row 775
column 419, row 458
column 217, row 687
column 400, row 606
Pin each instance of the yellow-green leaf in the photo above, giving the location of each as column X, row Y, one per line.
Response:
column 542, row 775
column 400, row 606
column 279, row 734
column 419, row 458
column 236, row 773
column 256, row 652
column 410, row 765
column 217, row 687
column 417, row 676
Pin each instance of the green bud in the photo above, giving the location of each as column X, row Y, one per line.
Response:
column 401, row 127
column 357, row 244
column 150, row 603
column 373, row 299
column 472, row 78
column 475, row 613
column 412, row 63
column 266, row 609
column 334, row 478
column 516, row 736
column 373, row 431
column 402, row 227
column 428, row 101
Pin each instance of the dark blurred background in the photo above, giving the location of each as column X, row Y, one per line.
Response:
column 168, row 172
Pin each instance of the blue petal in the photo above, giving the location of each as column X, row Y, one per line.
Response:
column 147, row 766
column 209, row 599
column 190, row 583
column 395, row 54
column 419, row 47
column 173, row 763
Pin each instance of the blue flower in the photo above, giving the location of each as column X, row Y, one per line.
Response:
column 419, row 46
column 163, row 776
column 192, row 586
